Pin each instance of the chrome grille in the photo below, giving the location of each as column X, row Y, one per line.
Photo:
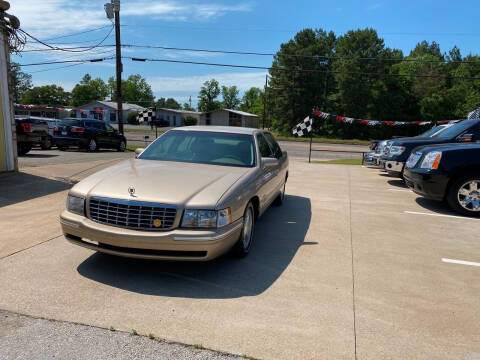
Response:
column 131, row 214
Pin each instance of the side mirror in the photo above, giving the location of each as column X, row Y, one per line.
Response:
column 269, row 162
column 465, row 138
column 138, row 151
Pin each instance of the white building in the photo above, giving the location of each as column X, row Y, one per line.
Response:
column 228, row 117
column 176, row 117
column 106, row 111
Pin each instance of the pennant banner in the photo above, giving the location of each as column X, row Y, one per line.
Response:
column 339, row 118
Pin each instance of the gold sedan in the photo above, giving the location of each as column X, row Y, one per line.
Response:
column 193, row 194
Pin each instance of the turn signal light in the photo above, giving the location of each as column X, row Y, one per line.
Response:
column 77, row 129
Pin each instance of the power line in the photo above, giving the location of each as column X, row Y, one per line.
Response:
column 299, row 69
column 69, row 61
column 56, row 68
column 78, row 33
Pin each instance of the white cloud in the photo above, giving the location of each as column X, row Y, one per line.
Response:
column 49, row 18
column 243, row 80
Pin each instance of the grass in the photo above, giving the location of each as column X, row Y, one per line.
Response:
column 324, row 140
column 112, row 328
column 339, row 161
column 132, row 147
column 198, row 346
column 134, row 332
column 151, row 336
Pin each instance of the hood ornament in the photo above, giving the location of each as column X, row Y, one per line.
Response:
column 131, row 191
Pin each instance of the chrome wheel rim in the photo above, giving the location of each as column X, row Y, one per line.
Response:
column 92, row 145
column 247, row 228
column 469, row 195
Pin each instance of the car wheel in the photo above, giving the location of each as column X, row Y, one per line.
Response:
column 23, row 148
column 244, row 242
column 47, row 144
column 281, row 197
column 92, row 145
column 464, row 195
column 122, row 146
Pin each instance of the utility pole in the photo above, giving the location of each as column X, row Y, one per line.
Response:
column 264, row 100
column 112, row 9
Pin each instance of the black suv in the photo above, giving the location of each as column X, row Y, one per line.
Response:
column 399, row 150
column 88, row 134
column 31, row 132
column 448, row 172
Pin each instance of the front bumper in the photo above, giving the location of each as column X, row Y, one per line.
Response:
column 432, row 185
column 177, row 244
column 393, row 167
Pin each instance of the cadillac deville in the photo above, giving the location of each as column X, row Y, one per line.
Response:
column 193, row 194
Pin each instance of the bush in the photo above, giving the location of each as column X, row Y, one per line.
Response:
column 190, row 120
column 132, row 118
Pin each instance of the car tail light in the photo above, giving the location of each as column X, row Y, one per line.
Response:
column 55, row 128
column 26, row 127
column 77, row 129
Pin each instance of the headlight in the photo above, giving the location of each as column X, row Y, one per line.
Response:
column 431, row 160
column 397, row 150
column 206, row 218
column 76, row 204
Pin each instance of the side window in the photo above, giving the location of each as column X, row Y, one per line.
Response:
column 263, row 146
column 274, row 145
column 109, row 128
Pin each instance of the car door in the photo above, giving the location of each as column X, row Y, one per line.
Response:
column 102, row 133
column 113, row 138
column 268, row 169
column 280, row 169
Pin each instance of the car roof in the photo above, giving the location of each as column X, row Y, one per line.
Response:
column 225, row 129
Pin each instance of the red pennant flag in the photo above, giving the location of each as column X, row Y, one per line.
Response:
column 442, row 122
column 317, row 112
column 364, row 122
column 390, row 123
column 415, row 122
column 340, row 118
column 59, row 109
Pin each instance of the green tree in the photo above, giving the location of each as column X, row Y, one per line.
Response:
column 230, row 97
column 186, row 106
column 47, row 94
column 171, row 103
column 20, row 82
column 89, row 90
column 252, row 102
column 209, row 92
column 135, row 90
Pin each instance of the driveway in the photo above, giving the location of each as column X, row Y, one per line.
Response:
column 350, row 267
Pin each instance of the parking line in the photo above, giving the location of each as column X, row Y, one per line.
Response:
column 402, row 190
column 461, row 262
column 441, row 215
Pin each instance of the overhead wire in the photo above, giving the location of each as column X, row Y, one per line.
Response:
column 77, row 33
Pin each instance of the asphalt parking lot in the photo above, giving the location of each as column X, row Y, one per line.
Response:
column 354, row 265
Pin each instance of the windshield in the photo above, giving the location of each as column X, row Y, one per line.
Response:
column 457, row 129
column 203, row 147
column 70, row 122
column 432, row 131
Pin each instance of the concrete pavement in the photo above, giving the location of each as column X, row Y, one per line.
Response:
column 350, row 266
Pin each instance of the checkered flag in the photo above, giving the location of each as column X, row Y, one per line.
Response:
column 474, row 114
column 147, row 115
column 304, row 127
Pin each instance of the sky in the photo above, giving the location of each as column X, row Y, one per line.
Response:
column 256, row 26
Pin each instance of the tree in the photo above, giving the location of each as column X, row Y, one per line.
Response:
column 207, row 97
column 161, row 103
column 186, row 106
column 135, row 90
column 89, row 90
column 48, row 94
column 230, row 97
column 252, row 102
column 171, row 103
column 20, row 82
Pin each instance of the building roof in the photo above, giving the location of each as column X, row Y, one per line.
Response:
column 225, row 129
column 113, row 105
column 243, row 113
column 180, row 111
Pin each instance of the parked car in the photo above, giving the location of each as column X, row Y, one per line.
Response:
column 31, row 132
column 397, row 151
column 88, row 134
column 193, row 194
column 448, row 172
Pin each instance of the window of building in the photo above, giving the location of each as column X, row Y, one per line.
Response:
column 113, row 117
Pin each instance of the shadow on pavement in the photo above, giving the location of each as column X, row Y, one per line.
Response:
column 33, row 156
column 279, row 234
column 398, row 183
column 440, row 207
column 20, row 187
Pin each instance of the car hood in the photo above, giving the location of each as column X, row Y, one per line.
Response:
column 181, row 184
column 419, row 141
column 448, row 147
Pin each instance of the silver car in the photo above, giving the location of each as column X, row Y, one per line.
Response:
column 193, row 194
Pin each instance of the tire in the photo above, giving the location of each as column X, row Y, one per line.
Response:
column 122, row 146
column 281, row 197
column 92, row 145
column 242, row 246
column 47, row 144
column 23, row 148
column 464, row 195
